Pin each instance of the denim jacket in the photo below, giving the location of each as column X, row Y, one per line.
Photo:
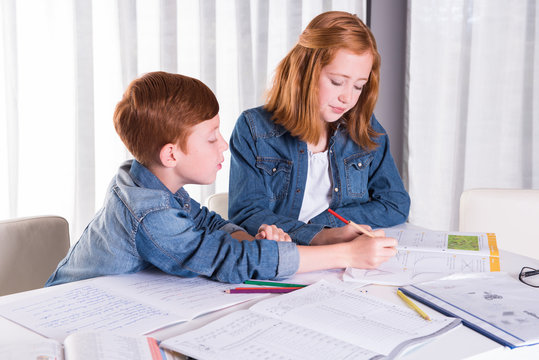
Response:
column 142, row 224
column 268, row 173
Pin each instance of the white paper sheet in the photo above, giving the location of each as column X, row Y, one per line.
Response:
column 427, row 255
column 132, row 304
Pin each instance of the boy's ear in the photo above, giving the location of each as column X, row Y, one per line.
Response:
column 169, row 155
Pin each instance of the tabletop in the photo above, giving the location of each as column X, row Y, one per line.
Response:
column 460, row 343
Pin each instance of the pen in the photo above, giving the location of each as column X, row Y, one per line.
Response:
column 359, row 227
column 270, row 283
column 412, row 305
column 261, row 290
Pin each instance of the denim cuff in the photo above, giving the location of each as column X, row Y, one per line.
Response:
column 305, row 234
column 230, row 228
column 288, row 259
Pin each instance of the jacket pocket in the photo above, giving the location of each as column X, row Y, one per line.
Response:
column 357, row 174
column 276, row 173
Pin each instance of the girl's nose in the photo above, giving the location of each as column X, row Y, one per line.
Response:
column 345, row 96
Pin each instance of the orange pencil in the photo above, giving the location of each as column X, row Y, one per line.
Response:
column 359, row 227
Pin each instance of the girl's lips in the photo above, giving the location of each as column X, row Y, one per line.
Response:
column 337, row 110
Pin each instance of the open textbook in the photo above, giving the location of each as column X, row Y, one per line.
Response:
column 131, row 304
column 322, row 321
column 87, row 345
column 494, row 304
column 426, row 255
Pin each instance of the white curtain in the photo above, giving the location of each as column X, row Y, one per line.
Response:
column 64, row 66
column 472, row 102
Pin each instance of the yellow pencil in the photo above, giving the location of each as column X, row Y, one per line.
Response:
column 412, row 305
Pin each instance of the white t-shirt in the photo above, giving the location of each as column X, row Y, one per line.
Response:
column 317, row 194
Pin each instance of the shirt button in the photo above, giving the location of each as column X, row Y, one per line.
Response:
column 274, row 169
column 301, row 151
column 336, row 189
column 359, row 164
column 298, row 190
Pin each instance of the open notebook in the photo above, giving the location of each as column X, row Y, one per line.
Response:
column 322, row 321
column 424, row 255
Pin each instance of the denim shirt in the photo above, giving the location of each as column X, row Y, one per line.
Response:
column 268, row 173
column 142, row 224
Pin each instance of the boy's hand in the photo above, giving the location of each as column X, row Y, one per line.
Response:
column 272, row 232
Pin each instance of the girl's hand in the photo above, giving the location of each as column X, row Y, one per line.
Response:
column 272, row 232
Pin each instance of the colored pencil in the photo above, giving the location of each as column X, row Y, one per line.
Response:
column 412, row 305
column 270, row 283
column 273, row 287
column 358, row 227
column 261, row 290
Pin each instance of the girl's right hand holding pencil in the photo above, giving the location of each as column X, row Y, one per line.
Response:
column 369, row 252
column 363, row 252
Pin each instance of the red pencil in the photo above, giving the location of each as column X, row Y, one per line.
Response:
column 359, row 227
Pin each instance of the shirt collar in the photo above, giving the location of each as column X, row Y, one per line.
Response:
column 143, row 177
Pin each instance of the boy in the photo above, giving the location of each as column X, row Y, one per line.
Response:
column 148, row 218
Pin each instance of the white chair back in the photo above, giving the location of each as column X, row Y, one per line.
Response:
column 510, row 213
column 218, row 203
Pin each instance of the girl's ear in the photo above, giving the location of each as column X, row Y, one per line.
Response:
column 169, row 155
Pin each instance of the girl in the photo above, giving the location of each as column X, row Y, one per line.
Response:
column 316, row 144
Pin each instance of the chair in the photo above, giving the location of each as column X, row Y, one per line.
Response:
column 30, row 250
column 218, row 203
column 510, row 213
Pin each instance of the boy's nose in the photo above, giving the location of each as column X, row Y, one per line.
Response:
column 224, row 144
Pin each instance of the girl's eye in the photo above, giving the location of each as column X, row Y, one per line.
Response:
column 359, row 88
column 336, row 83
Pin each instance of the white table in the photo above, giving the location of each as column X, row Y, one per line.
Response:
column 460, row 343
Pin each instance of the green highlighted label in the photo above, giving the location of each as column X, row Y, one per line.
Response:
column 463, row 242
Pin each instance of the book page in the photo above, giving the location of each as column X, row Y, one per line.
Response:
column 466, row 243
column 353, row 316
column 185, row 297
column 46, row 349
column 338, row 318
column 411, row 267
column 84, row 306
column 424, row 255
column 245, row 335
column 133, row 304
column 109, row 346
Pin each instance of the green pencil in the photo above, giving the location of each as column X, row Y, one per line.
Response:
column 269, row 283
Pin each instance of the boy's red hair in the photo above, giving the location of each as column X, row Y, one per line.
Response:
column 160, row 108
